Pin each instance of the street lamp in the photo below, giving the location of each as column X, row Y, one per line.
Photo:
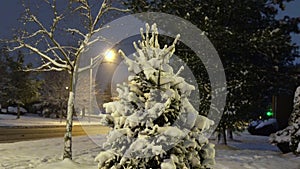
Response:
column 110, row 55
column 107, row 57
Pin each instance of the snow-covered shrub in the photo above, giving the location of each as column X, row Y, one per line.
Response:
column 153, row 123
column 291, row 134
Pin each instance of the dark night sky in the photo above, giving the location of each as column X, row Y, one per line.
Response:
column 10, row 11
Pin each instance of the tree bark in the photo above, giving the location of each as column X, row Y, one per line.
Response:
column 230, row 134
column 219, row 137
column 224, row 135
column 18, row 111
column 69, row 125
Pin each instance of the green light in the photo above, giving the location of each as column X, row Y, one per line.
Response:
column 269, row 113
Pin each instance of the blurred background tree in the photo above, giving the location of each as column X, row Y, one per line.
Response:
column 54, row 94
column 18, row 87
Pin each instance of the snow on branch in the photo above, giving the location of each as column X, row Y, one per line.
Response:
column 34, row 34
column 45, row 68
column 57, row 17
column 104, row 8
column 51, row 32
column 75, row 31
column 100, row 28
column 53, row 51
column 118, row 9
column 100, row 13
column 41, row 54
column 97, row 39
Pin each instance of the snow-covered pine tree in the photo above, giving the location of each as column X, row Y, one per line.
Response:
column 295, row 122
column 153, row 123
column 291, row 134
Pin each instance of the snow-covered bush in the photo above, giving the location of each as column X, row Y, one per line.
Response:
column 291, row 134
column 153, row 123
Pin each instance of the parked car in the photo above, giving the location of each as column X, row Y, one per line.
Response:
column 14, row 110
column 263, row 127
column 3, row 110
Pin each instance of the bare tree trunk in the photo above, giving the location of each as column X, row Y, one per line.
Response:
column 224, row 135
column 69, row 125
column 230, row 134
column 219, row 137
column 18, row 111
column 70, row 113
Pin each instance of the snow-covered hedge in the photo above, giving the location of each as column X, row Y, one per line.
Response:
column 154, row 124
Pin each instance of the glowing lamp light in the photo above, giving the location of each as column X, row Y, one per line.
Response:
column 110, row 55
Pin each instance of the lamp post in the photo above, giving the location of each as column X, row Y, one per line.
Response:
column 91, row 90
column 108, row 56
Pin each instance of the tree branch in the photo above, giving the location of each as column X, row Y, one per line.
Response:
column 100, row 13
column 117, row 9
column 75, row 31
column 41, row 54
column 50, row 35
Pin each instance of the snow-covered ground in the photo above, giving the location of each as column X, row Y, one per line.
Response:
column 41, row 153
column 28, row 119
column 46, row 154
column 245, row 152
column 253, row 152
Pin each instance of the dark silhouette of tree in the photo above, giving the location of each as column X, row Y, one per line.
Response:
column 54, row 94
column 22, row 88
column 255, row 48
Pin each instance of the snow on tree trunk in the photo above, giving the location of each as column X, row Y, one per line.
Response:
column 291, row 134
column 153, row 123
column 69, row 124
